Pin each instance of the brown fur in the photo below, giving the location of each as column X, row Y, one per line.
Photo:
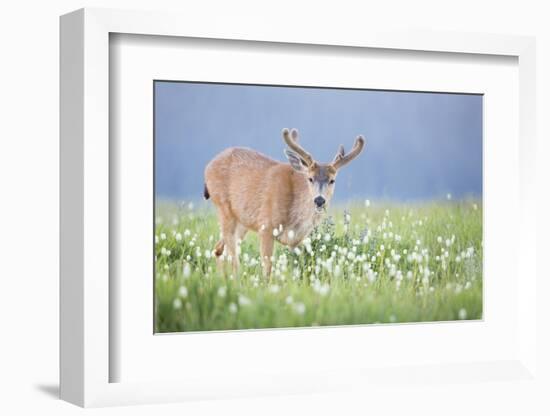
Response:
column 254, row 192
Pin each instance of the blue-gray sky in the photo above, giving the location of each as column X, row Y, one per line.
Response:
column 419, row 146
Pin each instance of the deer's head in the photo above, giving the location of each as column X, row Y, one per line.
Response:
column 321, row 177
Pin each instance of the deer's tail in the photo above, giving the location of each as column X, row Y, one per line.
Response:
column 206, row 194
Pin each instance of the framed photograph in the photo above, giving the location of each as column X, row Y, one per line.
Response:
column 279, row 211
column 399, row 241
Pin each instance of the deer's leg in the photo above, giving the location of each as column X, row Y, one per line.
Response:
column 227, row 244
column 230, row 240
column 266, row 252
column 219, row 247
column 240, row 232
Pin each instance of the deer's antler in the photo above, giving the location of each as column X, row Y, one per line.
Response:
column 291, row 139
column 339, row 155
column 342, row 160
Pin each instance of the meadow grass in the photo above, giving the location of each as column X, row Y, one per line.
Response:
column 366, row 263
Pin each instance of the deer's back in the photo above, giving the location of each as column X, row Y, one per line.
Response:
column 238, row 179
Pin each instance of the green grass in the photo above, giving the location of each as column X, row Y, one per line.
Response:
column 429, row 269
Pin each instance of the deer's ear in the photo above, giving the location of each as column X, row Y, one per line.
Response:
column 295, row 161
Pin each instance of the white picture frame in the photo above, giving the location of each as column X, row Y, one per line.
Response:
column 85, row 214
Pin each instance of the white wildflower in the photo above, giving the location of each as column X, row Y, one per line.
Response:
column 244, row 301
column 274, row 288
column 183, row 291
column 462, row 314
column 222, row 291
column 371, row 276
column 177, row 303
column 232, row 308
column 186, row 270
column 321, row 288
column 299, row 308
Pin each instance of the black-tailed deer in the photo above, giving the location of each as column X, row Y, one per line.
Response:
column 279, row 201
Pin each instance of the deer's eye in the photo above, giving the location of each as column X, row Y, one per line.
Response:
column 311, row 180
column 332, row 181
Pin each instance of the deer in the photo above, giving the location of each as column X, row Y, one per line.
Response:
column 281, row 202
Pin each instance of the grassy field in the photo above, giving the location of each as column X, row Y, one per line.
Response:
column 366, row 263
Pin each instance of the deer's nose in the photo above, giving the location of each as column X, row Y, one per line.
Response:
column 319, row 201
